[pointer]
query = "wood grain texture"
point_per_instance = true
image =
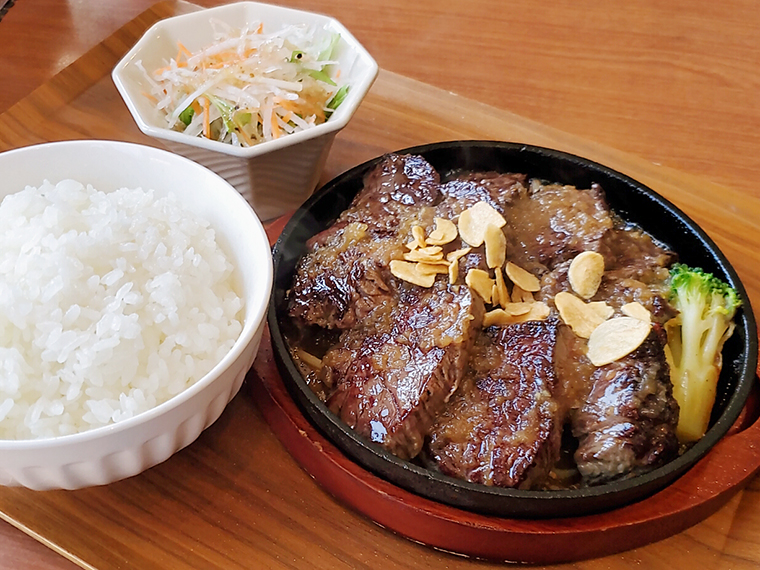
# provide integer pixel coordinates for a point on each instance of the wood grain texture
(235, 498)
(672, 82)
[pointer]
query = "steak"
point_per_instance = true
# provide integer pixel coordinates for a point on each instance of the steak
(636, 270)
(495, 189)
(390, 379)
(504, 427)
(554, 223)
(344, 277)
(627, 425)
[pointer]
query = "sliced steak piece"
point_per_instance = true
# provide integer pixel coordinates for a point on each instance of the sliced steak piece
(627, 426)
(504, 426)
(553, 224)
(344, 277)
(496, 189)
(636, 269)
(406, 179)
(388, 381)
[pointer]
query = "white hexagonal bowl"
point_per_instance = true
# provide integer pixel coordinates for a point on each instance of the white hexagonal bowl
(275, 176)
(106, 454)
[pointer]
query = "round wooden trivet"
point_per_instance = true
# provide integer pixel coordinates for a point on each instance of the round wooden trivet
(699, 493)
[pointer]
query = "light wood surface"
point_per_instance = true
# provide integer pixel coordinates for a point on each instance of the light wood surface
(672, 87)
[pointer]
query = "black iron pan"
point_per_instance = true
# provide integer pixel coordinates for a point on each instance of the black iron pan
(632, 201)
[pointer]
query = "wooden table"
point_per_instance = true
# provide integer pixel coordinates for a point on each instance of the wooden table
(673, 84)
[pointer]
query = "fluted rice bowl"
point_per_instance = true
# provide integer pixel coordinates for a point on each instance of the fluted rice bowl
(134, 284)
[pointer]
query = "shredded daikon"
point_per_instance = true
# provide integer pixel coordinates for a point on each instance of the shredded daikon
(249, 86)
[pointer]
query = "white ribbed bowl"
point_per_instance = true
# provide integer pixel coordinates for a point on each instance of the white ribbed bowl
(113, 452)
(275, 176)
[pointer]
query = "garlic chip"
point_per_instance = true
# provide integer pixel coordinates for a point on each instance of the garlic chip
(496, 246)
(474, 221)
(538, 311)
(516, 313)
(408, 272)
(480, 282)
(637, 311)
(497, 317)
(458, 253)
(425, 254)
(418, 238)
(432, 268)
(453, 271)
(585, 273)
(445, 232)
(520, 295)
(495, 295)
(526, 281)
(582, 317)
(453, 259)
(616, 338)
(601, 308)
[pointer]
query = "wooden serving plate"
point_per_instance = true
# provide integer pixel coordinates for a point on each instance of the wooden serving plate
(236, 498)
(693, 497)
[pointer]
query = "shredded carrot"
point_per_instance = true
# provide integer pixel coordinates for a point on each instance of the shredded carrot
(337, 74)
(286, 104)
(149, 96)
(206, 118)
(248, 59)
(182, 49)
(217, 65)
(226, 56)
(224, 59)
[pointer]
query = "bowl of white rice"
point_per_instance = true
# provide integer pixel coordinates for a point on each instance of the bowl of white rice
(133, 289)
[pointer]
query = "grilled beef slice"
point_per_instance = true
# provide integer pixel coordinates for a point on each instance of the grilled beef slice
(504, 427)
(636, 270)
(554, 223)
(627, 425)
(344, 277)
(389, 380)
(496, 189)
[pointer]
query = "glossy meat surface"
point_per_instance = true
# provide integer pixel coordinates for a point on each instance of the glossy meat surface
(627, 425)
(554, 223)
(504, 426)
(497, 190)
(391, 379)
(344, 277)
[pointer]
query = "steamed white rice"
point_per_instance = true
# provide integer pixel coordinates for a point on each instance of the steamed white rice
(110, 304)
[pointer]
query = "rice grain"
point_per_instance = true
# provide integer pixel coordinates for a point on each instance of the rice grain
(110, 304)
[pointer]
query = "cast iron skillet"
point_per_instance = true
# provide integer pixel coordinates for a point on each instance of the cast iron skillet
(631, 200)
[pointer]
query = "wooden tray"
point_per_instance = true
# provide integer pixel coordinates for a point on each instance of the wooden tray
(236, 498)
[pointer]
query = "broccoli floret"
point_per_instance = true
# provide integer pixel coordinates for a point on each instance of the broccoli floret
(706, 307)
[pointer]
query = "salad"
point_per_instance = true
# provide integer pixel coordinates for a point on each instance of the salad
(249, 86)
